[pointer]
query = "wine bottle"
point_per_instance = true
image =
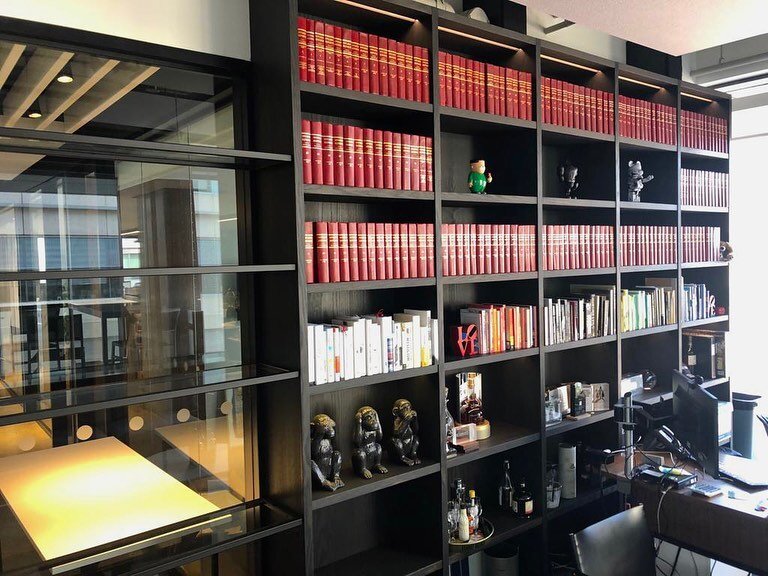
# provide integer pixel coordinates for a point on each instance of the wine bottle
(523, 501)
(506, 489)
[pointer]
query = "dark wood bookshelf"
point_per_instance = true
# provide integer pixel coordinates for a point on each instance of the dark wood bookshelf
(505, 526)
(648, 331)
(583, 498)
(706, 321)
(704, 264)
(705, 209)
(523, 156)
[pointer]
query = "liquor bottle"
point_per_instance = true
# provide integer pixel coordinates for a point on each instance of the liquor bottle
(506, 490)
(463, 524)
(690, 357)
(473, 511)
(523, 501)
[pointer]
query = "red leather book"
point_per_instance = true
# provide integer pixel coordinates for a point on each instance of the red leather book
(383, 52)
(328, 160)
(330, 55)
(359, 157)
(405, 257)
(442, 77)
(322, 262)
(349, 156)
(339, 169)
(309, 253)
(479, 248)
(507, 243)
(309, 26)
(396, 268)
(600, 113)
(423, 163)
(430, 177)
(488, 89)
(306, 150)
(529, 242)
(374, 73)
(527, 94)
(333, 252)
(354, 258)
(588, 111)
(547, 253)
(416, 163)
(458, 80)
(302, 33)
(412, 75)
(532, 248)
(510, 92)
(611, 246)
(320, 52)
(450, 233)
(430, 244)
(465, 86)
(338, 45)
(513, 264)
(389, 257)
(362, 251)
(360, 62)
(388, 159)
(481, 82)
(501, 81)
(546, 102)
(459, 249)
(373, 268)
(402, 89)
(610, 119)
(559, 106)
(317, 152)
(494, 234)
(473, 89)
(570, 105)
(406, 163)
(451, 88)
(425, 74)
(472, 249)
(421, 239)
(582, 100)
(413, 251)
(397, 161)
(444, 249)
(378, 159)
(467, 250)
(392, 67)
(485, 231)
(344, 251)
(568, 249)
(380, 251)
(368, 161)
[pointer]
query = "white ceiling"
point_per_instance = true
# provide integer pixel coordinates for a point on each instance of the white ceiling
(672, 26)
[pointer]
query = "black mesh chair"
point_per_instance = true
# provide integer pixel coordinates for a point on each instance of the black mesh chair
(621, 544)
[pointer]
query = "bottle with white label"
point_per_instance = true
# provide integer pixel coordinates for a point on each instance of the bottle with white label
(463, 524)
(523, 501)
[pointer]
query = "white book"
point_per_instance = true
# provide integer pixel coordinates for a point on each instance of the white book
(397, 331)
(330, 354)
(406, 344)
(320, 352)
(311, 353)
(347, 336)
(435, 340)
(373, 342)
(425, 326)
(387, 344)
(414, 322)
(358, 328)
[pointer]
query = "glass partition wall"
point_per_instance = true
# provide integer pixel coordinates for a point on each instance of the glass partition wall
(131, 374)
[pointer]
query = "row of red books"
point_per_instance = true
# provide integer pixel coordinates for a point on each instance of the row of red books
(701, 243)
(481, 87)
(469, 249)
(647, 120)
(345, 58)
(648, 245)
(704, 188)
(361, 251)
(572, 246)
(703, 132)
(566, 104)
(341, 155)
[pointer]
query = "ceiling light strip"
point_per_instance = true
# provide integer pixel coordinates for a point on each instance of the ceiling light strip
(689, 95)
(640, 82)
(377, 10)
(477, 38)
(567, 63)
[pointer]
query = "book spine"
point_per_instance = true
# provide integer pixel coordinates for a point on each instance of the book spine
(328, 160)
(309, 253)
(361, 71)
(320, 52)
(430, 246)
(349, 156)
(392, 67)
(339, 168)
(321, 252)
(425, 74)
(389, 259)
(378, 159)
(309, 28)
(383, 52)
(368, 158)
(373, 268)
(362, 251)
(404, 252)
(381, 251)
(344, 263)
(459, 249)
(373, 63)
(452, 250)
(412, 78)
(333, 252)
(302, 34)
(388, 160)
(406, 161)
(306, 151)
(413, 251)
(353, 246)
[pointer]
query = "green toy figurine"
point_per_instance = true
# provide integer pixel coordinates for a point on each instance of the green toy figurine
(478, 179)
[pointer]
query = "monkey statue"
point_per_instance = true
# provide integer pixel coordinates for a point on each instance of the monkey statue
(326, 460)
(366, 447)
(636, 180)
(567, 174)
(405, 442)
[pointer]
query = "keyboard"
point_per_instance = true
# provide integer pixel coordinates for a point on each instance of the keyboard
(743, 470)
(708, 490)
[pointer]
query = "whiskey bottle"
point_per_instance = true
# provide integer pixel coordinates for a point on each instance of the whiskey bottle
(523, 501)
(506, 490)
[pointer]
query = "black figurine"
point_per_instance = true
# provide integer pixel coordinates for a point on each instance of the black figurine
(405, 442)
(366, 438)
(326, 460)
(567, 174)
(636, 181)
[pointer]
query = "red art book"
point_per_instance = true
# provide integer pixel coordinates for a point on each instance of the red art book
(339, 169)
(360, 63)
(317, 152)
(306, 150)
(373, 63)
(459, 239)
(388, 160)
(383, 67)
(373, 268)
(368, 159)
(392, 67)
(338, 43)
(396, 268)
(452, 269)
(359, 157)
(330, 56)
(389, 262)
(344, 251)
(362, 251)
(425, 85)
(406, 161)
(333, 252)
(402, 90)
(320, 56)
(430, 244)
(328, 161)
(309, 253)
(397, 161)
(404, 252)
(411, 84)
(413, 251)
(349, 156)
(321, 252)
(302, 33)
(381, 251)
(430, 181)
(309, 26)
(421, 239)
(354, 259)
(378, 159)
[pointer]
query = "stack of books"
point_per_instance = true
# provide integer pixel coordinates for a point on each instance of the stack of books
(703, 132)
(481, 87)
(341, 155)
(571, 247)
(469, 249)
(654, 304)
(703, 188)
(363, 251)
(648, 245)
(698, 302)
(351, 347)
(573, 106)
(588, 313)
(647, 120)
(701, 243)
(502, 327)
(346, 58)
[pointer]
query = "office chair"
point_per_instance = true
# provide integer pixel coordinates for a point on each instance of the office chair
(764, 419)
(621, 544)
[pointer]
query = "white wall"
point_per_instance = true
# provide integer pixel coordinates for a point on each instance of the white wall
(213, 26)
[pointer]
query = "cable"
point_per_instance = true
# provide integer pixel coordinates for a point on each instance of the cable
(674, 570)
(658, 510)
(712, 571)
(695, 566)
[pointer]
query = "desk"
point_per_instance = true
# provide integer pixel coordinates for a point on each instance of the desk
(72, 498)
(721, 528)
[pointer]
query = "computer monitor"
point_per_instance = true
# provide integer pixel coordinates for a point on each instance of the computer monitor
(696, 421)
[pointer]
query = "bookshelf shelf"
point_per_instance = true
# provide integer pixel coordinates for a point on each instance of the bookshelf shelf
(569, 204)
(582, 499)
(705, 321)
(648, 331)
(568, 425)
(354, 486)
(705, 209)
(316, 389)
(383, 562)
(580, 343)
(504, 437)
(351, 194)
(469, 121)
(457, 365)
(468, 199)
(322, 99)
(482, 278)
(695, 153)
(505, 526)
(577, 272)
(370, 285)
(653, 206)
(635, 144)
(704, 264)
(654, 268)
(563, 135)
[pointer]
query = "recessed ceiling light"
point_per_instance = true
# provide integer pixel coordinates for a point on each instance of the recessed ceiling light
(65, 76)
(34, 111)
